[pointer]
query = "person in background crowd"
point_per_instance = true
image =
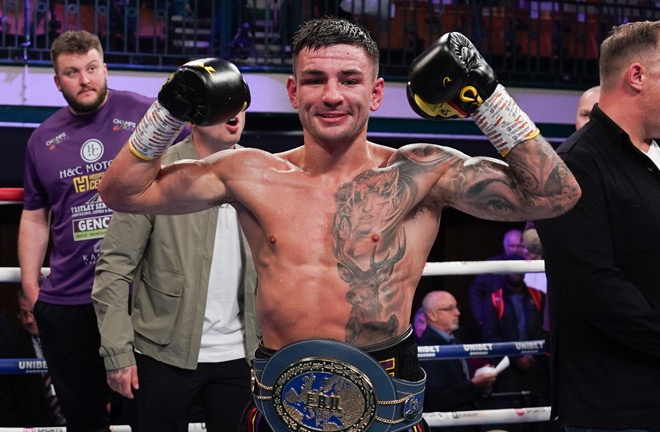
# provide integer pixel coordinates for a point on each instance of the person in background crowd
(532, 250)
(66, 157)
(478, 292)
(419, 323)
(601, 258)
(197, 271)
(29, 398)
(450, 385)
(585, 104)
(514, 312)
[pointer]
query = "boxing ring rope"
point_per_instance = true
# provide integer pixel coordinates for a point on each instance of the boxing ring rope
(450, 268)
(19, 366)
(11, 195)
(460, 268)
(426, 353)
(437, 419)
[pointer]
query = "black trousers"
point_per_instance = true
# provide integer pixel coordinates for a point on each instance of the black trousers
(70, 340)
(167, 394)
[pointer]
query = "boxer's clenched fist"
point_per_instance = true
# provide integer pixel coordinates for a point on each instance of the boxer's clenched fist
(205, 92)
(449, 79)
(202, 92)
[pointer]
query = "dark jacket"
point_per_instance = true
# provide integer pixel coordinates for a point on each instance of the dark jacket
(447, 386)
(500, 323)
(602, 260)
(480, 288)
(22, 397)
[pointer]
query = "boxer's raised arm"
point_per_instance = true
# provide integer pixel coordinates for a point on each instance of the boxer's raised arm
(202, 92)
(451, 79)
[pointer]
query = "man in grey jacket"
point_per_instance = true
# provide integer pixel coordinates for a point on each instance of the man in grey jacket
(192, 329)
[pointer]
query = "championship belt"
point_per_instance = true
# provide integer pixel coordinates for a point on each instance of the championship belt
(327, 385)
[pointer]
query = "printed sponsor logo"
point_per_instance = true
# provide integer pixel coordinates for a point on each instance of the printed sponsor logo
(45, 429)
(466, 414)
(92, 259)
(91, 150)
(32, 364)
(531, 347)
(478, 349)
(119, 124)
(90, 228)
(94, 167)
(87, 182)
(51, 143)
(427, 351)
(88, 209)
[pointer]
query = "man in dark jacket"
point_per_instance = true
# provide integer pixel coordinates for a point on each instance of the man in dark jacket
(448, 383)
(514, 312)
(601, 258)
(23, 398)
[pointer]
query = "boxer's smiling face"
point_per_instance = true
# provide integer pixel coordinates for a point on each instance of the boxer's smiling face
(82, 79)
(334, 89)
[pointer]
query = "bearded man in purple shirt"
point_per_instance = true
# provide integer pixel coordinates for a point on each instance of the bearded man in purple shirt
(66, 157)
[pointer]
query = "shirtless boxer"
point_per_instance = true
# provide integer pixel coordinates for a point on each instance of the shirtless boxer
(341, 227)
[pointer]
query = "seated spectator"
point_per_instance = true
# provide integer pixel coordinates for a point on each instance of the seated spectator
(25, 399)
(448, 383)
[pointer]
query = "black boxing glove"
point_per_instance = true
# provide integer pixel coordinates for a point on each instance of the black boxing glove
(205, 92)
(449, 79)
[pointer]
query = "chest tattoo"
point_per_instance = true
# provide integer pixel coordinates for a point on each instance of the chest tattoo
(369, 242)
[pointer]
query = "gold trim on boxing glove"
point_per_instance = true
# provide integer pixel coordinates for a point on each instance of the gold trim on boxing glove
(443, 109)
(202, 64)
(469, 94)
(137, 153)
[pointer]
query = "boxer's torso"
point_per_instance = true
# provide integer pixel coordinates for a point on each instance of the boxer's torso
(338, 256)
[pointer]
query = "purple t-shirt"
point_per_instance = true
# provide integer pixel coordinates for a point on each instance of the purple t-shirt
(66, 158)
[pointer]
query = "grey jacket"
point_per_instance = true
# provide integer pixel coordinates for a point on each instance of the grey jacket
(168, 260)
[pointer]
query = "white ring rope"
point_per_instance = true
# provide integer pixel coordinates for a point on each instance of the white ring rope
(192, 427)
(506, 415)
(436, 419)
(458, 268)
(450, 268)
(13, 274)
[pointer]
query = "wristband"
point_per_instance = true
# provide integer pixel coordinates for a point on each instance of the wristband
(155, 133)
(503, 122)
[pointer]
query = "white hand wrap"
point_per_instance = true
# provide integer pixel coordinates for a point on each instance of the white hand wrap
(155, 133)
(503, 122)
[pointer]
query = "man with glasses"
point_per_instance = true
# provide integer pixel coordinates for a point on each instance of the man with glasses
(448, 383)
